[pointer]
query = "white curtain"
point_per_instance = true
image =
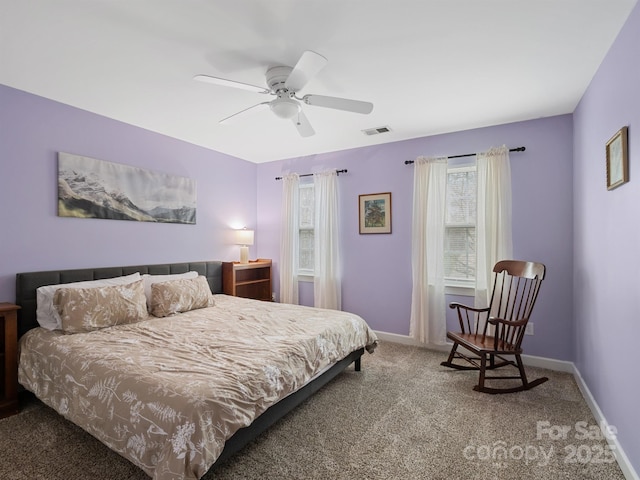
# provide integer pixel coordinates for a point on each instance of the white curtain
(493, 221)
(428, 323)
(327, 282)
(289, 240)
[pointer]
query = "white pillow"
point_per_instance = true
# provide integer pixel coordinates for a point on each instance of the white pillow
(46, 313)
(151, 279)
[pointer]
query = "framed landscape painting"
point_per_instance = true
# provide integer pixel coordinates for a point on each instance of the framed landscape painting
(375, 213)
(90, 188)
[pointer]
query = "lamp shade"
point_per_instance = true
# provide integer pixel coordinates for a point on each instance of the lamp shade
(285, 107)
(244, 237)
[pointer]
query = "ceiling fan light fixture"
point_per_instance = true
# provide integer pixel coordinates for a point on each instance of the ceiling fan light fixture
(285, 108)
(285, 82)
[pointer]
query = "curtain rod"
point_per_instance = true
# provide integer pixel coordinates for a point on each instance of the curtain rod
(519, 149)
(344, 170)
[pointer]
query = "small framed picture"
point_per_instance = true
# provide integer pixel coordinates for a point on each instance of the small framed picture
(375, 213)
(617, 161)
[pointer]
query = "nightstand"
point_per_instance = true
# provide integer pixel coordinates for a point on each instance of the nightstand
(8, 359)
(248, 280)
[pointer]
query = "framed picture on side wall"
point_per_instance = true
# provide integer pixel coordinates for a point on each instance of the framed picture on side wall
(375, 212)
(617, 160)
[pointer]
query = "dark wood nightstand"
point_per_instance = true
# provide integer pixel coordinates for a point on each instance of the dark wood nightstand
(248, 280)
(8, 359)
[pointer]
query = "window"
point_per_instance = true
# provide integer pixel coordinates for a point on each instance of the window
(460, 227)
(306, 211)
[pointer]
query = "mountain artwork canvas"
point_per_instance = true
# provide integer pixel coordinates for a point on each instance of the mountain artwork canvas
(90, 188)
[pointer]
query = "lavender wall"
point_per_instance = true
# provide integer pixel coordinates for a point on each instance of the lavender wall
(377, 268)
(607, 235)
(34, 129)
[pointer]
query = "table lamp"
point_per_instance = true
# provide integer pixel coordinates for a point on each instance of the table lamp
(244, 238)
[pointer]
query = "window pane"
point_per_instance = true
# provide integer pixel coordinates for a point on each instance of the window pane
(460, 220)
(460, 253)
(306, 210)
(306, 260)
(305, 247)
(461, 196)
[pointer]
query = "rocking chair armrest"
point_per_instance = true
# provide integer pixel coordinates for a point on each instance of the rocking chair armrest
(512, 323)
(454, 305)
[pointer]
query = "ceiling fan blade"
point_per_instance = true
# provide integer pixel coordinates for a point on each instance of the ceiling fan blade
(309, 64)
(355, 106)
(302, 124)
(253, 109)
(230, 83)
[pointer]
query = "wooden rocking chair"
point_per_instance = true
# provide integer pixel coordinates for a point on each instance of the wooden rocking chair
(498, 331)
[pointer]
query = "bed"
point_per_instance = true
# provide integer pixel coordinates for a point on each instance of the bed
(179, 393)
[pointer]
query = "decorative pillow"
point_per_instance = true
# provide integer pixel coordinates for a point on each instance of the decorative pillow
(87, 309)
(46, 313)
(151, 279)
(169, 298)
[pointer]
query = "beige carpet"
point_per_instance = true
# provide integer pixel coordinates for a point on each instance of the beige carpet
(402, 417)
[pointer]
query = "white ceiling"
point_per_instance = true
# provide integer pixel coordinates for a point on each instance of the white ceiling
(429, 66)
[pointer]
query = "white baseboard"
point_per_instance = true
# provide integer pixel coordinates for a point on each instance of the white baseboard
(550, 364)
(530, 360)
(406, 340)
(625, 465)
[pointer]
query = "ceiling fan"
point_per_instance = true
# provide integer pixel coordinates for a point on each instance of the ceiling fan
(284, 83)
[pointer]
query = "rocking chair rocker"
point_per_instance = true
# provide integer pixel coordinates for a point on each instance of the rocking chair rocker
(497, 331)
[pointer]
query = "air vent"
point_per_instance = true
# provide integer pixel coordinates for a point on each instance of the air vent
(376, 131)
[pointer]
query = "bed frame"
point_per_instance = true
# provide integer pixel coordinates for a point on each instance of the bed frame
(28, 283)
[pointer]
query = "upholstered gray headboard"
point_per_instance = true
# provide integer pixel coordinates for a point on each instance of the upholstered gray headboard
(28, 283)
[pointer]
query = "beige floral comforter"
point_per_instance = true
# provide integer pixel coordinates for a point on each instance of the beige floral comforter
(166, 393)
